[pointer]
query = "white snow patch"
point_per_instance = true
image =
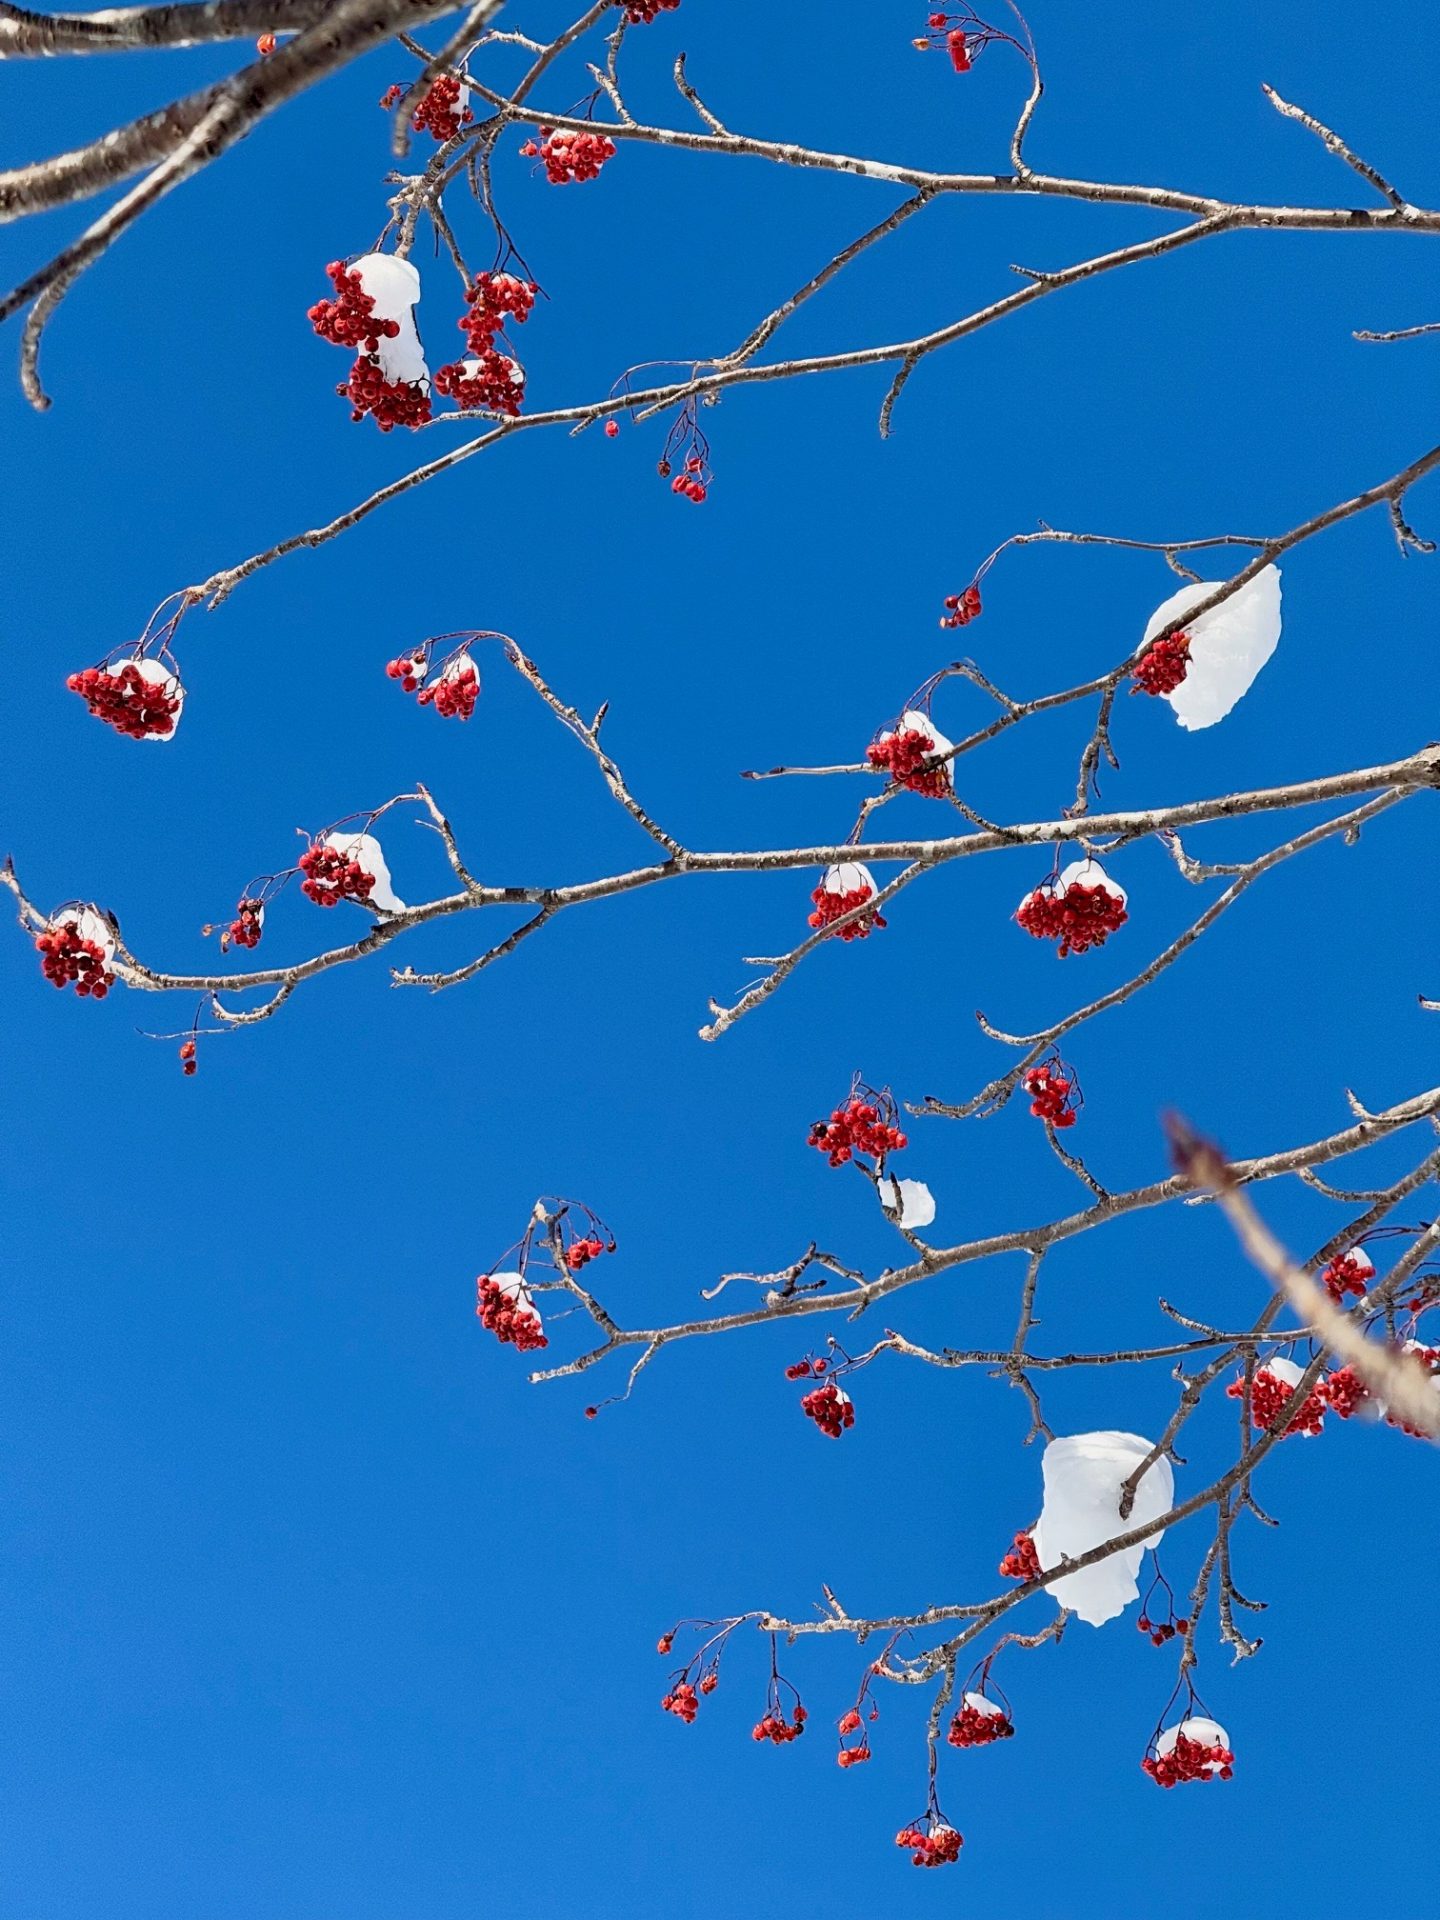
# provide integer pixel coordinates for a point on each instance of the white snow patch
(912, 1200)
(1090, 873)
(1228, 646)
(1203, 1732)
(157, 674)
(394, 287)
(849, 877)
(1283, 1370)
(983, 1705)
(1083, 1475)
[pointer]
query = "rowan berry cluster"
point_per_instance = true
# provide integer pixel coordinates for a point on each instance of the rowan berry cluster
(830, 1407)
(1162, 1631)
(1345, 1392)
(1349, 1272)
(1053, 1092)
(506, 1310)
(932, 1843)
(848, 1725)
(494, 298)
(682, 1702)
(1189, 1760)
(390, 403)
(245, 929)
(349, 319)
(1080, 915)
(641, 12)
(569, 155)
(408, 669)
(864, 1126)
(903, 755)
(454, 691)
(840, 892)
(963, 35)
(775, 1728)
(1021, 1562)
(68, 958)
(188, 1063)
(1163, 665)
(331, 876)
(581, 1252)
(961, 608)
(140, 698)
(978, 1725)
(810, 1368)
(490, 381)
(442, 111)
(1270, 1388)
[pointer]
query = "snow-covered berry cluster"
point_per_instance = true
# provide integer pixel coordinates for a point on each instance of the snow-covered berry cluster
(443, 110)
(865, 1124)
(1080, 908)
(491, 382)
(1196, 1749)
(1163, 665)
(505, 1307)
(76, 947)
(961, 608)
(932, 1842)
(452, 689)
(568, 154)
(830, 1407)
(1271, 1386)
(331, 876)
(1349, 1272)
(1021, 1562)
(140, 698)
(979, 1721)
(843, 889)
(1054, 1093)
(905, 750)
(373, 309)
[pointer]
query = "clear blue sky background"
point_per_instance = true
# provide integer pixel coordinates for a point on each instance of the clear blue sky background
(311, 1606)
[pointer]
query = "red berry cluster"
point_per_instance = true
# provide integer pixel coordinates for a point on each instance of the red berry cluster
(641, 12)
(331, 877)
(682, 1702)
(1052, 1093)
(67, 959)
(1162, 667)
(1349, 1272)
(347, 320)
(126, 700)
(808, 1368)
(830, 1407)
(903, 756)
(777, 1729)
(581, 1252)
(1162, 1631)
(509, 1316)
(961, 608)
(245, 929)
(1268, 1394)
(1079, 918)
(441, 113)
(409, 670)
(973, 1727)
(493, 299)
(1189, 1760)
(454, 693)
(1345, 1392)
(690, 481)
(830, 907)
(569, 155)
(857, 1755)
(938, 1847)
(860, 1126)
(488, 381)
(1021, 1562)
(189, 1064)
(390, 403)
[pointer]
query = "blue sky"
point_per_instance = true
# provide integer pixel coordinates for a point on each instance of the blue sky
(311, 1606)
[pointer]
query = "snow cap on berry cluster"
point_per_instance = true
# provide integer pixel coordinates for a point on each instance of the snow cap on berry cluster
(849, 877)
(911, 1200)
(364, 850)
(394, 288)
(1090, 873)
(90, 924)
(913, 721)
(1228, 646)
(1083, 1476)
